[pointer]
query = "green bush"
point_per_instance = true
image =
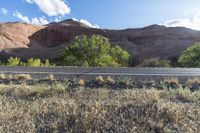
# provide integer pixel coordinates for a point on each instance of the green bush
(93, 51)
(190, 57)
(13, 61)
(121, 56)
(33, 62)
(46, 63)
(30, 62)
(155, 62)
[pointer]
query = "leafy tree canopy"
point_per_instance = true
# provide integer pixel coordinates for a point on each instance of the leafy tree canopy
(191, 56)
(93, 51)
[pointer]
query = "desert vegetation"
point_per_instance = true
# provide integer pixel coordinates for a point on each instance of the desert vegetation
(93, 51)
(96, 51)
(155, 62)
(191, 56)
(59, 107)
(33, 62)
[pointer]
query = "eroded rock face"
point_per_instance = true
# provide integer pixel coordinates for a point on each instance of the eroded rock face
(63, 32)
(15, 35)
(25, 40)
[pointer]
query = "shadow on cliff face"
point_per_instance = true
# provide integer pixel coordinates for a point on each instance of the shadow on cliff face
(36, 52)
(60, 33)
(48, 42)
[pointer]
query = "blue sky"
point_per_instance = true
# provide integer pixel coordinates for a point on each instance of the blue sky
(117, 14)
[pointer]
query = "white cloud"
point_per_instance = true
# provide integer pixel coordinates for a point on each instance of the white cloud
(21, 17)
(29, 1)
(36, 21)
(193, 23)
(39, 21)
(57, 20)
(186, 13)
(4, 11)
(87, 23)
(52, 7)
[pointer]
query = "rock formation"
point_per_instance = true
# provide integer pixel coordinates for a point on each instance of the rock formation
(25, 40)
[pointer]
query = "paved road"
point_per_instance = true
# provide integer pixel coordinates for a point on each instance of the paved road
(65, 72)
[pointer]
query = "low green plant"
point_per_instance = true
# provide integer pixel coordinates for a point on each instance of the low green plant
(13, 61)
(185, 95)
(59, 87)
(155, 62)
(38, 89)
(32, 62)
(125, 80)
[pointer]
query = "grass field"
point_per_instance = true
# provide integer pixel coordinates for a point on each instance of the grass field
(56, 108)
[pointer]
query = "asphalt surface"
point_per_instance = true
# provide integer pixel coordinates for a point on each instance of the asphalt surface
(70, 72)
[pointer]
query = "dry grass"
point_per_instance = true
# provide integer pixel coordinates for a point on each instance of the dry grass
(100, 79)
(109, 79)
(50, 77)
(23, 77)
(56, 108)
(193, 81)
(81, 82)
(172, 80)
(2, 76)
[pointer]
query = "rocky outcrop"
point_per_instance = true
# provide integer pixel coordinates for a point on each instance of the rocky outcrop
(25, 41)
(15, 35)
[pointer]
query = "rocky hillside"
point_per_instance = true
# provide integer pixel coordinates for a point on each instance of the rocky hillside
(24, 40)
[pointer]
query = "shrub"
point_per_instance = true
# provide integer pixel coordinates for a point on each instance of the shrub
(59, 87)
(191, 56)
(121, 56)
(33, 62)
(155, 62)
(30, 62)
(46, 63)
(93, 51)
(14, 61)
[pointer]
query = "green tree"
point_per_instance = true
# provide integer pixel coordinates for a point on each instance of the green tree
(190, 57)
(121, 56)
(93, 51)
(13, 61)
